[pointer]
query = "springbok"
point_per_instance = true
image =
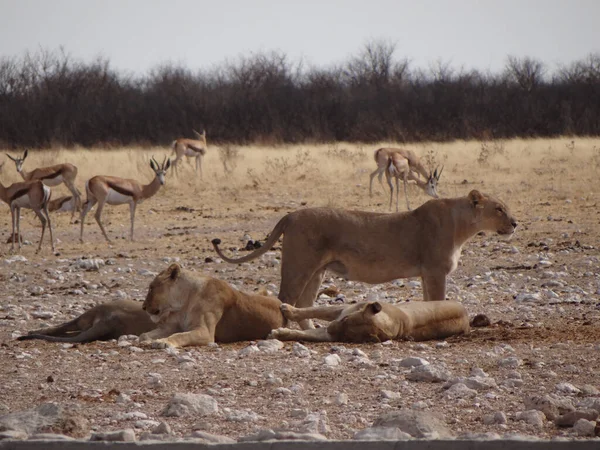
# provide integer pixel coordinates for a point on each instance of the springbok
(382, 157)
(52, 176)
(192, 148)
(118, 191)
(399, 167)
(27, 194)
(63, 204)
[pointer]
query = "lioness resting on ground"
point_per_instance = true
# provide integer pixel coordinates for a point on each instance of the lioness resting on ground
(192, 309)
(100, 323)
(377, 322)
(375, 247)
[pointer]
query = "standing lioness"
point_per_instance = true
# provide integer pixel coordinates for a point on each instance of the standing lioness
(375, 247)
(192, 309)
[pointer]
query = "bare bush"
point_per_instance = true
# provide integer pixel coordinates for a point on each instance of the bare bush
(229, 157)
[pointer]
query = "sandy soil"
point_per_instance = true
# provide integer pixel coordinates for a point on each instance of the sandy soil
(550, 185)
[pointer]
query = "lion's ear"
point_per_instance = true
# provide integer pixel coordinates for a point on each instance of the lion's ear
(476, 198)
(174, 271)
(374, 307)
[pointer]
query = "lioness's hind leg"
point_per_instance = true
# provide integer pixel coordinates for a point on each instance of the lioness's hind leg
(312, 335)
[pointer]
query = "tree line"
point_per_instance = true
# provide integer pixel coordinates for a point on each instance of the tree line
(48, 98)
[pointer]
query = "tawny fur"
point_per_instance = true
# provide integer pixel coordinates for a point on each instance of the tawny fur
(100, 323)
(382, 156)
(377, 248)
(399, 168)
(377, 322)
(192, 309)
(32, 195)
(52, 176)
(191, 148)
(118, 191)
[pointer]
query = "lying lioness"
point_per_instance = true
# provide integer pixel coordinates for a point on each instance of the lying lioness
(100, 323)
(376, 247)
(193, 309)
(377, 322)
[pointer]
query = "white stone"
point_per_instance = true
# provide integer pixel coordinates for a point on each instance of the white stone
(269, 345)
(584, 427)
(332, 360)
(532, 417)
(182, 404)
(301, 351)
(413, 361)
(430, 373)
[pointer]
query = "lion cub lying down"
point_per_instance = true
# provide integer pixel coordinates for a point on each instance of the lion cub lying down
(100, 323)
(193, 309)
(376, 322)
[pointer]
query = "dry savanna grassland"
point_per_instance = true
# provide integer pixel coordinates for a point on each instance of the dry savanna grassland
(541, 291)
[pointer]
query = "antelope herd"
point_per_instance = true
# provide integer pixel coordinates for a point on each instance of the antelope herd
(34, 192)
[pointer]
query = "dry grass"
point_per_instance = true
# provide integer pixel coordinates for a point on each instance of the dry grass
(496, 163)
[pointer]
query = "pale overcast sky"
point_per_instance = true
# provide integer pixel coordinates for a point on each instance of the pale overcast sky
(136, 35)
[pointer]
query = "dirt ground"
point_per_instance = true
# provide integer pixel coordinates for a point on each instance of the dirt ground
(554, 333)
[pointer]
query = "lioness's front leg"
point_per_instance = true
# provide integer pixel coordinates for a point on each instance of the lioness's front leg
(311, 335)
(199, 336)
(157, 333)
(328, 313)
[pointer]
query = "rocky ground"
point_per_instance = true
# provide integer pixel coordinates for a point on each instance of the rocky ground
(533, 372)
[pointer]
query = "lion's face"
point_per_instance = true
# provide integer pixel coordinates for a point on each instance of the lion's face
(360, 324)
(160, 300)
(494, 214)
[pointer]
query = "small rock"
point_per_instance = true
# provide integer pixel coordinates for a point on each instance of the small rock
(381, 434)
(127, 435)
(569, 419)
(249, 350)
(552, 406)
(498, 417)
(460, 390)
(341, 399)
(584, 427)
(391, 395)
(191, 404)
(532, 417)
(270, 435)
(299, 350)
(418, 424)
(413, 361)
(213, 438)
(162, 428)
(567, 388)
(429, 373)
(332, 360)
(269, 345)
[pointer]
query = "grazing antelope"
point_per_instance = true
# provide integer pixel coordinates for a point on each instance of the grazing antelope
(192, 148)
(382, 157)
(27, 194)
(399, 167)
(63, 204)
(52, 176)
(118, 191)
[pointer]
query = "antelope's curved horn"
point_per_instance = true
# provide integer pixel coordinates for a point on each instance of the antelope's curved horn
(440, 174)
(11, 157)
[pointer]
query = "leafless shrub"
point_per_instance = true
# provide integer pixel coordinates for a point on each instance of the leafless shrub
(353, 157)
(488, 150)
(229, 157)
(283, 165)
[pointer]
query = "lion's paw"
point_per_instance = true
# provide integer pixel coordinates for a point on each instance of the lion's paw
(160, 343)
(277, 333)
(288, 311)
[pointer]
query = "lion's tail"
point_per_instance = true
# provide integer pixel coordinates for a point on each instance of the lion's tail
(273, 237)
(98, 332)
